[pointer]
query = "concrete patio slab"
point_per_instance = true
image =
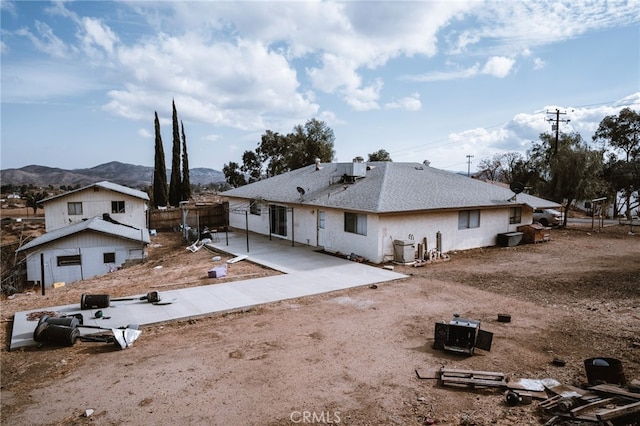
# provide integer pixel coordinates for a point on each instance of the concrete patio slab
(306, 272)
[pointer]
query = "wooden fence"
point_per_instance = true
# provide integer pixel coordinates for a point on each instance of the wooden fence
(213, 216)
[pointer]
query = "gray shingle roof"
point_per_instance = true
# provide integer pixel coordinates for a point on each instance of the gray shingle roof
(106, 185)
(96, 224)
(387, 187)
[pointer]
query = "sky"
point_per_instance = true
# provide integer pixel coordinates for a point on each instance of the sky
(449, 82)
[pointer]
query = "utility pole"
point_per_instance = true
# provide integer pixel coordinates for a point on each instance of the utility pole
(469, 157)
(557, 125)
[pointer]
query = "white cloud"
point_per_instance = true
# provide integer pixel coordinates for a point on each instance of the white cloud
(456, 74)
(46, 41)
(538, 63)
(409, 103)
(97, 34)
(145, 133)
(498, 66)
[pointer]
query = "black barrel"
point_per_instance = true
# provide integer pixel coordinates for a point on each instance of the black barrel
(94, 301)
(67, 321)
(56, 334)
(607, 370)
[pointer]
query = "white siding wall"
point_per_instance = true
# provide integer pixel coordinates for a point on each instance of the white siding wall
(377, 245)
(93, 248)
(95, 203)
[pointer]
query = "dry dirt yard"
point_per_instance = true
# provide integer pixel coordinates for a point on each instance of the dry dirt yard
(347, 357)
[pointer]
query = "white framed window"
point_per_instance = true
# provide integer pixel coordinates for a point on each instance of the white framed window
(468, 219)
(515, 215)
(254, 207)
(355, 223)
(74, 208)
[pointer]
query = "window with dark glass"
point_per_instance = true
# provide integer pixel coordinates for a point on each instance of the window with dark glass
(117, 207)
(69, 260)
(355, 223)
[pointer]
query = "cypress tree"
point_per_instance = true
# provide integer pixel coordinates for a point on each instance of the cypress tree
(186, 183)
(159, 170)
(175, 185)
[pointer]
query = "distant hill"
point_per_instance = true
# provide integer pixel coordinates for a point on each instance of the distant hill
(124, 174)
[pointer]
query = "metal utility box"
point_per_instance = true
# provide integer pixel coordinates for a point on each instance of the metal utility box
(404, 251)
(461, 336)
(509, 239)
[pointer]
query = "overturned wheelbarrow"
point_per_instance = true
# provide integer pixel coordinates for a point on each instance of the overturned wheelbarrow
(97, 301)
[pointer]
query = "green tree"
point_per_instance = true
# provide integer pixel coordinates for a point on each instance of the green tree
(622, 133)
(159, 170)
(251, 165)
(186, 181)
(572, 173)
(500, 167)
(280, 154)
(314, 140)
(33, 200)
(380, 155)
(273, 151)
(175, 184)
(232, 174)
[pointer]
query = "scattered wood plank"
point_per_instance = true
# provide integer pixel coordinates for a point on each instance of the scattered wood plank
(615, 390)
(470, 378)
(423, 373)
(590, 406)
(237, 258)
(619, 412)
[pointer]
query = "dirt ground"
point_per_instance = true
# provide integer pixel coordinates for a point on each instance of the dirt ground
(348, 357)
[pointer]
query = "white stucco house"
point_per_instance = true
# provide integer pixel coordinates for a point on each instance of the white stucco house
(125, 205)
(367, 208)
(83, 250)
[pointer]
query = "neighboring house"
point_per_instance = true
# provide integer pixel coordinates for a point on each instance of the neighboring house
(83, 250)
(366, 208)
(125, 205)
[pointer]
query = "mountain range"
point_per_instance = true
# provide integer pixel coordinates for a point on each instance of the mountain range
(130, 175)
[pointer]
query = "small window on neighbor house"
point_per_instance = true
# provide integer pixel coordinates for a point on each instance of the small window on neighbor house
(254, 207)
(515, 215)
(117, 207)
(355, 223)
(69, 260)
(468, 219)
(109, 257)
(74, 208)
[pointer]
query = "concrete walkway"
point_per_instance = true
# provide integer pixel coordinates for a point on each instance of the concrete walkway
(306, 272)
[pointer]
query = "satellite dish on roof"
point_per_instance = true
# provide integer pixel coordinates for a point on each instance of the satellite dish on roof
(300, 191)
(516, 187)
